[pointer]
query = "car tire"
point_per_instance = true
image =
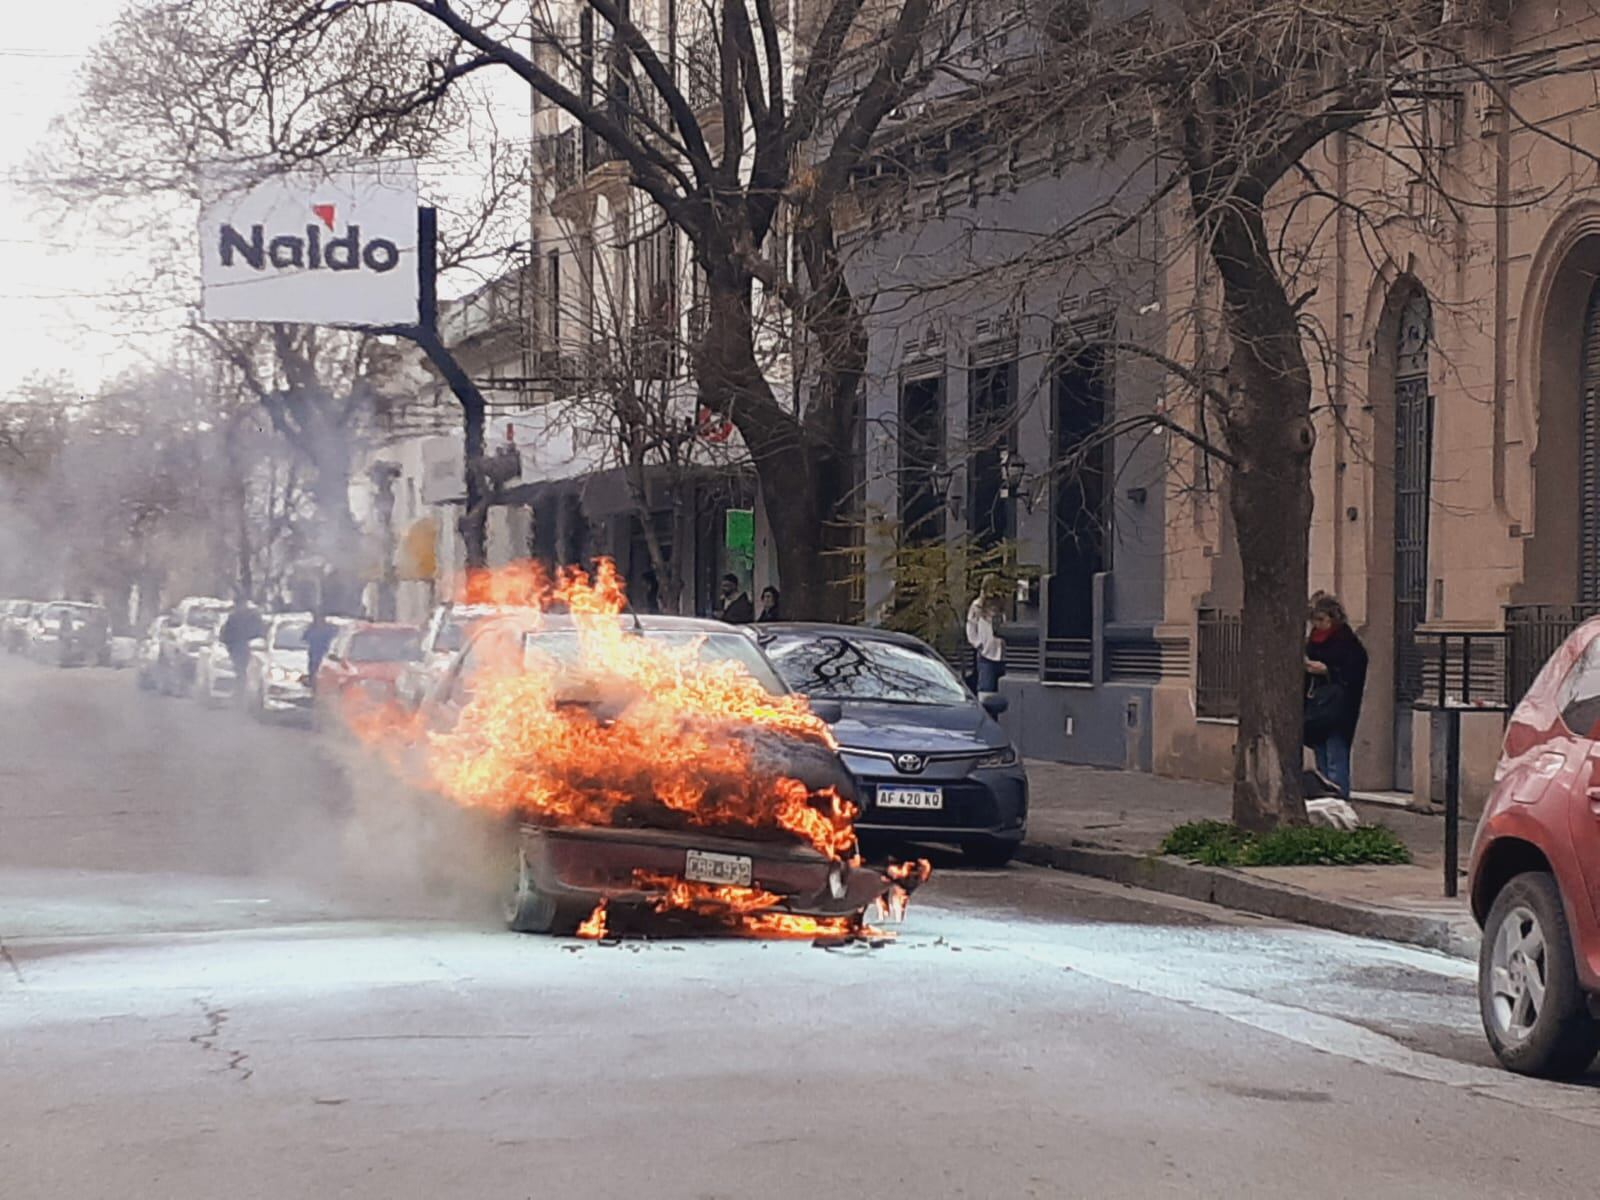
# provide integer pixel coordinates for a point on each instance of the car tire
(529, 909)
(992, 854)
(1527, 948)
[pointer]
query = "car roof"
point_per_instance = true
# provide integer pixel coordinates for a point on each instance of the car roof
(861, 633)
(652, 622)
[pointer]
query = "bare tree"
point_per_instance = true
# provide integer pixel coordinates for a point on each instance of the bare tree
(183, 89)
(746, 149)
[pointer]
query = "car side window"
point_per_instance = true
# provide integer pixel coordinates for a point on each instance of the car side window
(1580, 694)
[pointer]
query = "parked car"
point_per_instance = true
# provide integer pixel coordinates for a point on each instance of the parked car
(215, 682)
(442, 637)
(1534, 877)
(557, 875)
(277, 680)
(365, 658)
(195, 623)
(70, 634)
(14, 624)
(932, 761)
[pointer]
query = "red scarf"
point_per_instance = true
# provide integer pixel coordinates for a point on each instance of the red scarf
(1318, 636)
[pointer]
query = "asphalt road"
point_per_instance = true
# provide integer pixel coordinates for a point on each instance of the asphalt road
(237, 962)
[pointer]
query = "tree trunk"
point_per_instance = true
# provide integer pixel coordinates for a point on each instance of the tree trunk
(800, 473)
(1270, 434)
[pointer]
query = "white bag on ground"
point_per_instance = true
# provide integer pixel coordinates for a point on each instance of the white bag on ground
(1332, 812)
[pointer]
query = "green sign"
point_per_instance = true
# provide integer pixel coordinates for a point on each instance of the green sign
(739, 535)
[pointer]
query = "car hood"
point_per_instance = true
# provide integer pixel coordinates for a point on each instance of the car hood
(289, 660)
(924, 728)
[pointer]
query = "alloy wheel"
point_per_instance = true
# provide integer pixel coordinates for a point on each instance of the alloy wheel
(1517, 974)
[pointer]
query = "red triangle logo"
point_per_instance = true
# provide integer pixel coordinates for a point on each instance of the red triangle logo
(325, 213)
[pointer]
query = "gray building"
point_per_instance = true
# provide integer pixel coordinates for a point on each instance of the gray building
(1002, 419)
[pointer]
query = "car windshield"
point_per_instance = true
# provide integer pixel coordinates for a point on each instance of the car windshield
(831, 667)
(203, 618)
(385, 645)
(563, 646)
(449, 637)
(290, 635)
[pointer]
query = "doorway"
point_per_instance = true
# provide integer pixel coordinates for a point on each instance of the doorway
(1413, 493)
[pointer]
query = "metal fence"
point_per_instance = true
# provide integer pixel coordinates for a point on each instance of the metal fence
(1218, 646)
(1533, 631)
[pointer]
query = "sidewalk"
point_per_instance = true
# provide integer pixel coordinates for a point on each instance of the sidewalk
(1109, 823)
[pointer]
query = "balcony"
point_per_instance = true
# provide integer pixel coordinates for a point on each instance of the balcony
(557, 155)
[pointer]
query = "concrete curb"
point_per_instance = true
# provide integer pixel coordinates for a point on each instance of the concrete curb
(1245, 893)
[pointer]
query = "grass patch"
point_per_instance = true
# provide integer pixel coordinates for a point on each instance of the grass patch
(1219, 844)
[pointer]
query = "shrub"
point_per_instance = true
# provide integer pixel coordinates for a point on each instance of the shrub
(1219, 844)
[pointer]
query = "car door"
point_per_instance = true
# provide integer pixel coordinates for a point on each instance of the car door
(1577, 738)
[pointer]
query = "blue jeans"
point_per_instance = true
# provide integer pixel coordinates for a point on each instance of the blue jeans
(1333, 762)
(989, 672)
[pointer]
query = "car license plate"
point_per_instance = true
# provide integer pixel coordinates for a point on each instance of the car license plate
(911, 797)
(701, 866)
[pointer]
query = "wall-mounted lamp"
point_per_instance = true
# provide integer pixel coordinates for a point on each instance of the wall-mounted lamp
(1013, 477)
(1137, 495)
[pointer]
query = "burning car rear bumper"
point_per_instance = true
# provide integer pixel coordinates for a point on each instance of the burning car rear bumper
(592, 864)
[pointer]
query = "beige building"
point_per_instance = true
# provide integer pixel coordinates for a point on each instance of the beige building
(1457, 470)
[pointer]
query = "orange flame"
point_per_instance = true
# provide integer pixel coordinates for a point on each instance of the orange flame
(638, 731)
(594, 926)
(745, 910)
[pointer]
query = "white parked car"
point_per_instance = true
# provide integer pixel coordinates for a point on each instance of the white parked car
(215, 684)
(446, 633)
(194, 625)
(278, 680)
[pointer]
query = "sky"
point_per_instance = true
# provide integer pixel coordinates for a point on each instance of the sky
(51, 268)
(59, 275)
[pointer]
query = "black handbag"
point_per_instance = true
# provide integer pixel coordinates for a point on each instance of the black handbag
(1325, 703)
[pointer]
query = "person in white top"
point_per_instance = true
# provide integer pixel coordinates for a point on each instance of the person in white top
(985, 610)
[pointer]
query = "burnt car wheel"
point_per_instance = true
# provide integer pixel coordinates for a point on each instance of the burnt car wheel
(1534, 1011)
(993, 853)
(529, 909)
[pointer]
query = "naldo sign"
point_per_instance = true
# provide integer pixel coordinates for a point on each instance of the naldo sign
(319, 247)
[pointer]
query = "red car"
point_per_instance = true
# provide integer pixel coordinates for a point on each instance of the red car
(366, 657)
(1535, 873)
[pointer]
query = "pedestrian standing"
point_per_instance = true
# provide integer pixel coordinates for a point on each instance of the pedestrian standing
(769, 605)
(736, 607)
(319, 636)
(1336, 677)
(242, 627)
(983, 614)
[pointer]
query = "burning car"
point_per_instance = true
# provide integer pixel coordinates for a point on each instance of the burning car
(655, 763)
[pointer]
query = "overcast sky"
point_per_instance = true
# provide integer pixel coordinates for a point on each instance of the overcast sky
(51, 267)
(61, 279)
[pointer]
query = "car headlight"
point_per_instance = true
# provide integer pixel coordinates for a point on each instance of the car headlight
(998, 758)
(280, 674)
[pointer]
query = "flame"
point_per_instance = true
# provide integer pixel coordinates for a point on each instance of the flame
(640, 725)
(594, 926)
(745, 910)
(600, 727)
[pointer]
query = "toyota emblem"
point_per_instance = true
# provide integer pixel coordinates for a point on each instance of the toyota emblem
(910, 764)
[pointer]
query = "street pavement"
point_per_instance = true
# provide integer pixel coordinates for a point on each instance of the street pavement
(236, 961)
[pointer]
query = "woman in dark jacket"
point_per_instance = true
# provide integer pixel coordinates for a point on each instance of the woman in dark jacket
(1336, 664)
